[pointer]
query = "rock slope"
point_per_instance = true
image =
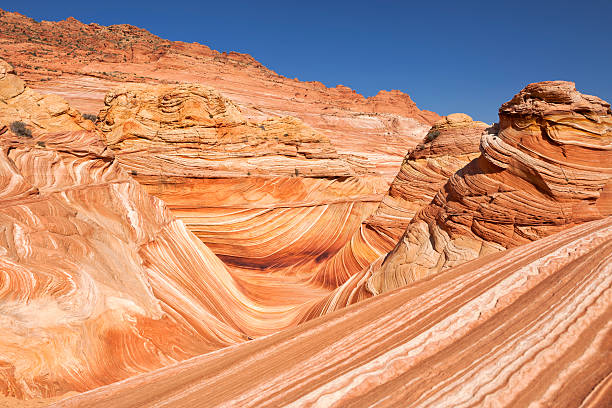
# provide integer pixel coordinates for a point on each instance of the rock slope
(527, 327)
(268, 195)
(546, 169)
(450, 144)
(379, 129)
(98, 281)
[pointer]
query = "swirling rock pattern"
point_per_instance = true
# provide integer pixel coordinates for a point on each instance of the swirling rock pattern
(450, 144)
(376, 131)
(98, 281)
(527, 327)
(546, 169)
(271, 195)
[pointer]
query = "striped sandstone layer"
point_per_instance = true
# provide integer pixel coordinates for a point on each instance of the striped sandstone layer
(531, 326)
(376, 130)
(548, 168)
(270, 195)
(98, 281)
(450, 144)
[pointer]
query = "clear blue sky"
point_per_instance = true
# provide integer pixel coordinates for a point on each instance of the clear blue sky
(450, 56)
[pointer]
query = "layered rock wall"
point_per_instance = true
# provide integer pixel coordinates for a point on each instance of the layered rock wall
(530, 326)
(546, 169)
(98, 281)
(450, 144)
(270, 195)
(377, 131)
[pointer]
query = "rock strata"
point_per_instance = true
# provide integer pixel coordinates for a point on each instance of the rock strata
(378, 129)
(98, 281)
(527, 327)
(545, 168)
(271, 195)
(193, 131)
(450, 144)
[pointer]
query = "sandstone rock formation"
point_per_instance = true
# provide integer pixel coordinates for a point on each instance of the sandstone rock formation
(547, 169)
(192, 131)
(270, 195)
(379, 129)
(450, 144)
(527, 327)
(98, 281)
(134, 251)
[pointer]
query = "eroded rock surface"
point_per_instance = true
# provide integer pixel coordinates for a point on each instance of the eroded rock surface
(378, 130)
(269, 195)
(101, 282)
(98, 281)
(193, 131)
(450, 144)
(530, 326)
(546, 169)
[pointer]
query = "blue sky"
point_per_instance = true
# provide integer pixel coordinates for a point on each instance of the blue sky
(450, 56)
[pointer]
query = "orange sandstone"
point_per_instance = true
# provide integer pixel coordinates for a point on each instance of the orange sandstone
(378, 129)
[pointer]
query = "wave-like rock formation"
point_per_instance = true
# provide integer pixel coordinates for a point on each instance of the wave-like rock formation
(498, 240)
(379, 129)
(546, 169)
(268, 195)
(98, 281)
(528, 327)
(450, 144)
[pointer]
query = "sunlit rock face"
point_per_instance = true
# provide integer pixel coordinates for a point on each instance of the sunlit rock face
(272, 195)
(546, 169)
(526, 327)
(449, 145)
(193, 131)
(377, 130)
(98, 281)
(270, 222)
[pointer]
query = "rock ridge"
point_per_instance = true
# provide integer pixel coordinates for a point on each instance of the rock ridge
(379, 130)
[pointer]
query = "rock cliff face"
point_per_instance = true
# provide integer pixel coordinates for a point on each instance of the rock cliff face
(378, 129)
(449, 145)
(98, 281)
(548, 168)
(527, 327)
(192, 131)
(267, 195)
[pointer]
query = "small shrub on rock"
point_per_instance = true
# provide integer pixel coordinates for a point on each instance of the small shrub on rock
(20, 129)
(431, 136)
(90, 116)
